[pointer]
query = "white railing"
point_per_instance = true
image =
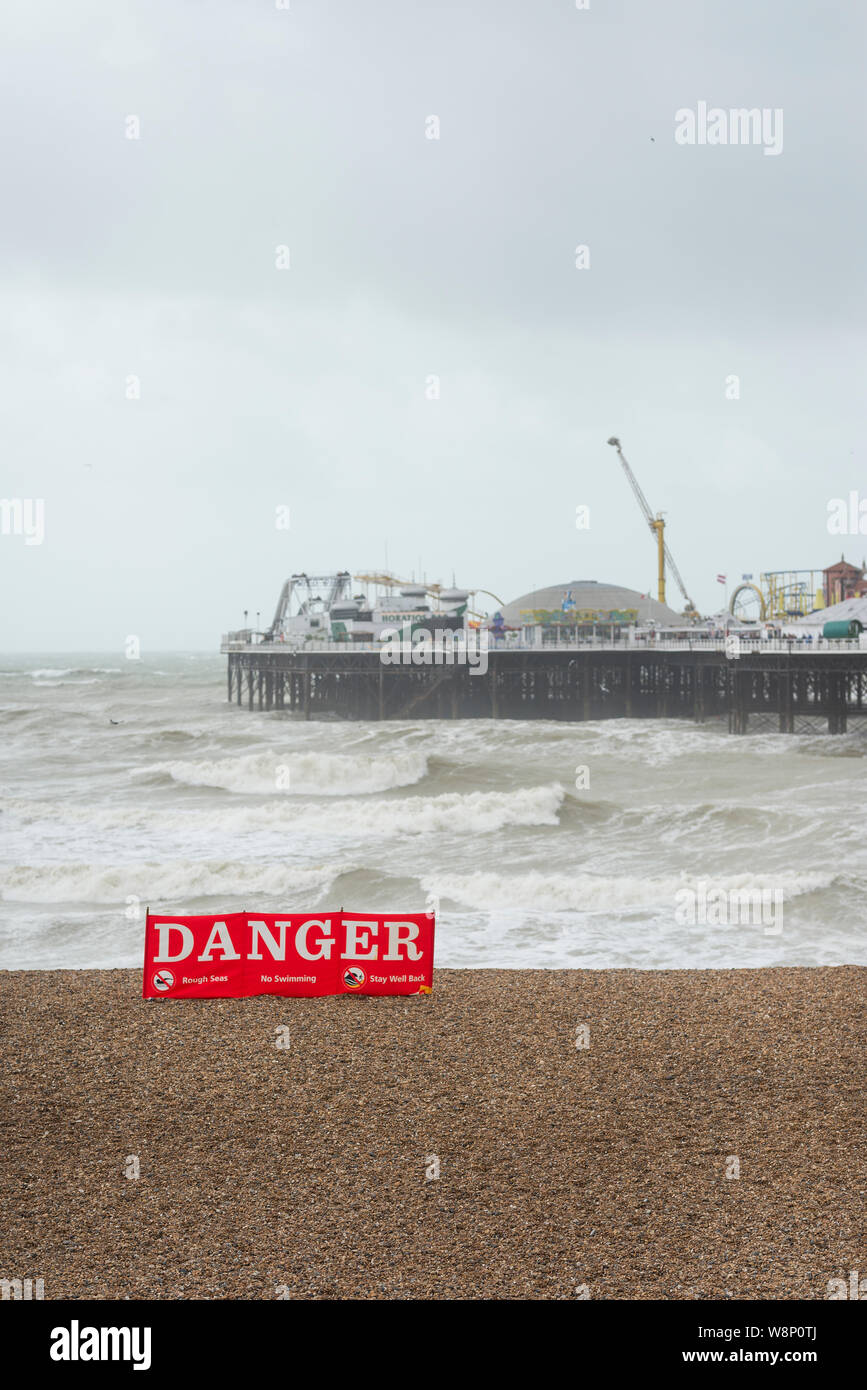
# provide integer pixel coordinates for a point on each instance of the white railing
(748, 646)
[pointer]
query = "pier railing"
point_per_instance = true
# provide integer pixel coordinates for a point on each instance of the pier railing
(747, 646)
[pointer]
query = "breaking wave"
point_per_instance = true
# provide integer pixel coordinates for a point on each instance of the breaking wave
(307, 774)
(458, 813)
(60, 673)
(598, 893)
(452, 812)
(181, 880)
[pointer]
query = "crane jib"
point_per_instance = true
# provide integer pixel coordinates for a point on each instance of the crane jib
(657, 526)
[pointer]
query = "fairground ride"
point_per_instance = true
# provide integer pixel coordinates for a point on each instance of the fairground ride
(780, 596)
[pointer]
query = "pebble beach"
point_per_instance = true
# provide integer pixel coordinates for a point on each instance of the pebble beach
(516, 1134)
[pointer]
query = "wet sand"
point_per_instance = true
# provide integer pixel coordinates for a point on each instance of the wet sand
(301, 1172)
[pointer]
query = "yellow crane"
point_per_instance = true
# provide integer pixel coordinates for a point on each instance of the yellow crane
(657, 526)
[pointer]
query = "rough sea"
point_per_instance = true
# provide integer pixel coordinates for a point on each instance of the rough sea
(134, 783)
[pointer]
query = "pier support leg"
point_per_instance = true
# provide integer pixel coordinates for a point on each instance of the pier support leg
(784, 697)
(661, 691)
(837, 696)
(738, 715)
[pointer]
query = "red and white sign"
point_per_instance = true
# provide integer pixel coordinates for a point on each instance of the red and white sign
(295, 953)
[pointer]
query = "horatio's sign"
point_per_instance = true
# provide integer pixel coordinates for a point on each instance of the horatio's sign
(238, 953)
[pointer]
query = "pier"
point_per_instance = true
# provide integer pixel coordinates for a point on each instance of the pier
(784, 686)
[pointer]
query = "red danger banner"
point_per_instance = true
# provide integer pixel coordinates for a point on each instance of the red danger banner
(238, 953)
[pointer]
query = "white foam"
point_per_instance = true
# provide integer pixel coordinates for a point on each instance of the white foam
(180, 880)
(458, 813)
(307, 774)
(452, 812)
(597, 892)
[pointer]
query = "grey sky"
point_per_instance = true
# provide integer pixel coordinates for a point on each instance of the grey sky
(410, 257)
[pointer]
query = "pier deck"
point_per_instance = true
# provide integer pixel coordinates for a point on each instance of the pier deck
(780, 686)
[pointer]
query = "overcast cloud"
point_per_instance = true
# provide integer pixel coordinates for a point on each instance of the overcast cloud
(413, 257)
